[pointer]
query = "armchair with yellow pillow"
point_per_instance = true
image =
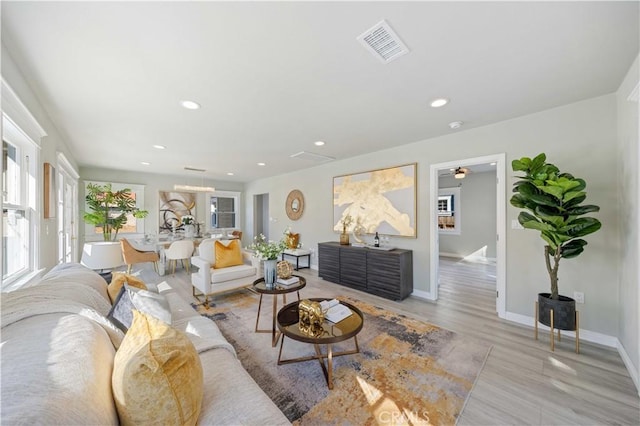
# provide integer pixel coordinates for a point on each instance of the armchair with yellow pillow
(223, 266)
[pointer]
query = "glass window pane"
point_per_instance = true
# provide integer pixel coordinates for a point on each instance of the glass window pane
(223, 214)
(15, 242)
(10, 173)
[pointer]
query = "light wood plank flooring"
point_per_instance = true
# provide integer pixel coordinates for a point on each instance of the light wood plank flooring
(522, 382)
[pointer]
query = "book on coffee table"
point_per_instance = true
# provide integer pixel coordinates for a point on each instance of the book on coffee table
(334, 311)
(288, 281)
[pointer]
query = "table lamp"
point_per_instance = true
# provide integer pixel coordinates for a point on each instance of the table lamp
(102, 255)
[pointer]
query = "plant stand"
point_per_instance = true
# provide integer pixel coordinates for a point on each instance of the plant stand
(551, 334)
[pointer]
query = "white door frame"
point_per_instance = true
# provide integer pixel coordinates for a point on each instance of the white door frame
(500, 160)
(68, 218)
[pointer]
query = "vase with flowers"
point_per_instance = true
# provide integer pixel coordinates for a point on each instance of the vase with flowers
(268, 252)
(291, 239)
(189, 225)
(346, 222)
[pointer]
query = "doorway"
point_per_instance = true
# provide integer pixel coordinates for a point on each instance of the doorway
(67, 211)
(261, 215)
(442, 218)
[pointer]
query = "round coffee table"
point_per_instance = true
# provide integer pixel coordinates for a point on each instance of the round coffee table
(331, 333)
(261, 287)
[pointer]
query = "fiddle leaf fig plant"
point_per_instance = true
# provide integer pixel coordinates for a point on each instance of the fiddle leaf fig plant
(552, 203)
(109, 209)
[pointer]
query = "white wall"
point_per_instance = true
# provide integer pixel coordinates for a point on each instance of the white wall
(577, 137)
(478, 216)
(628, 193)
(50, 146)
(153, 184)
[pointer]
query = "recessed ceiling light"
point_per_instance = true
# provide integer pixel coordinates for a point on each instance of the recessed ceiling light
(229, 174)
(159, 147)
(262, 164)
(145, 163)
(437, 103)
(318, 143)
(456, 124)
(493, 164)
(190, 104)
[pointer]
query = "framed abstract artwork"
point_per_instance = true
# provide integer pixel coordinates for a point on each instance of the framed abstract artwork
(382, 200)
(174, 205)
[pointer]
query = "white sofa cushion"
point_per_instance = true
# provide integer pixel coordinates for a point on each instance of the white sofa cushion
(56, 369)
(231, 273)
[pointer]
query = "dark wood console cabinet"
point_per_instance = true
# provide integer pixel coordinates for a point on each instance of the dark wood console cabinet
(384, 273)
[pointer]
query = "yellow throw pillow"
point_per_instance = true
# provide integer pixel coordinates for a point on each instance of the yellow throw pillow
(157, 375)
(118, 280)
(227, 255)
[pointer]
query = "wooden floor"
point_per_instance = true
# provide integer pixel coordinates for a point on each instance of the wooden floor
(522, 382)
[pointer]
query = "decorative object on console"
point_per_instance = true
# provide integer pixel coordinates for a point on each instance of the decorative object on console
(285, 269)
(553, 200)
(358, 232)
(111, 210)
(294, 205)
(364, 195)
(291, 239)
(346, 222)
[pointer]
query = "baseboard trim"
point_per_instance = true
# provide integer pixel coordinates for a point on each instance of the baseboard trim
(586, 335)
(633, 371)
(421, 294)
(469, 257)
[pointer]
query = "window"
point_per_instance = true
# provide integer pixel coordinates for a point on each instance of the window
(224, 209)
(449, 211)
(19, 215)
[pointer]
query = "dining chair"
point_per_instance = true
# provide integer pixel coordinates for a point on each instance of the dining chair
(132, 256)
(179, 250)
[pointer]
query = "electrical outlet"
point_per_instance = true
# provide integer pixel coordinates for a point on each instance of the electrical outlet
(578, 296)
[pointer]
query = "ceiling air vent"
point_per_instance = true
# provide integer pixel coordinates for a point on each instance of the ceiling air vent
(193, 169)
(316, 158)
(383, 42)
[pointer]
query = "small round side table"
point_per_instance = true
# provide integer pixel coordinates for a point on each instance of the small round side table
(260, 287)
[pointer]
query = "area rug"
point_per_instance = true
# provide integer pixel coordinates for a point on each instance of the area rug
(407, 371)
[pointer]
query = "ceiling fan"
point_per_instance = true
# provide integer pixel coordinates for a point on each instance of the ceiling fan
(458, 172)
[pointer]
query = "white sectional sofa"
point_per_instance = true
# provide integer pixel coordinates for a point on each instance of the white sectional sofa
(209, 280)
(58, 348)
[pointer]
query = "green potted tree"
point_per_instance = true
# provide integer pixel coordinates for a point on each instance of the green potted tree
(109, 209)
(553, 206)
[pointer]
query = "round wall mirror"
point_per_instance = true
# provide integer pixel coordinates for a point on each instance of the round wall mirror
(294, 205)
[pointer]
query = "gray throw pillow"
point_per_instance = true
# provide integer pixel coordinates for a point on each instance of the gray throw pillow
(130, 298)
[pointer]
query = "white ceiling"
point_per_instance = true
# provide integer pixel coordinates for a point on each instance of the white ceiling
(273, 77)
